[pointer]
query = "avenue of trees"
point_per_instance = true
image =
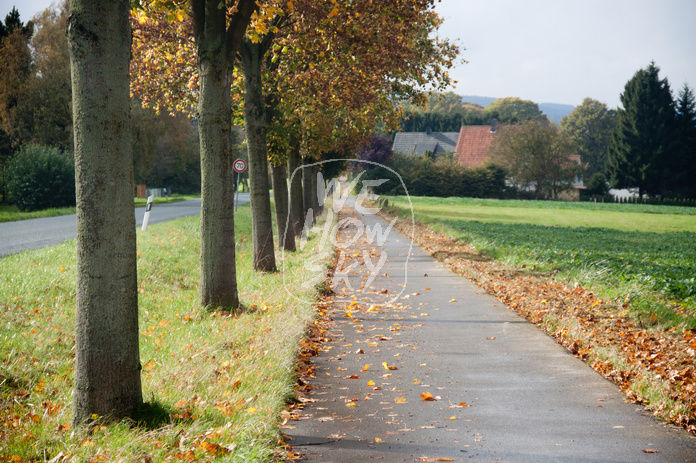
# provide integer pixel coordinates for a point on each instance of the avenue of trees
(309, 80)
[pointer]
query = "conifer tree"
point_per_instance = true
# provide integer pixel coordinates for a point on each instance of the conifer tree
(685, 159)
(642, 146)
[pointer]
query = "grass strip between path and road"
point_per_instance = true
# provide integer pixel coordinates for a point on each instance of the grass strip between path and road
(12, 213)
(215, 384)
(614, 286)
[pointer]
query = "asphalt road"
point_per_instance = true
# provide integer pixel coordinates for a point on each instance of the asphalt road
(23, 235)
(504, 391)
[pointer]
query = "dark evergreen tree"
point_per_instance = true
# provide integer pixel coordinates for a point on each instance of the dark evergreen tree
(642, 146)
(13, 22)
(685, 159)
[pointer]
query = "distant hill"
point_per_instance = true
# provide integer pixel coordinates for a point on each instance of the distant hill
(554, 111)
(479, 100)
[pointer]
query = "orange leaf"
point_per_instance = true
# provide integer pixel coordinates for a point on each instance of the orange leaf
(400, 400)
(427, 396)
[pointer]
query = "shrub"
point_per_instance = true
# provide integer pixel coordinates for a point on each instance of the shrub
(443, 177)
(40, 177)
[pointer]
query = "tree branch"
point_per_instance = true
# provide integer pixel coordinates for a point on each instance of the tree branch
(240, 21)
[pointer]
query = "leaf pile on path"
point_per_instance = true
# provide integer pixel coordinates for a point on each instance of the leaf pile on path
(653, 368)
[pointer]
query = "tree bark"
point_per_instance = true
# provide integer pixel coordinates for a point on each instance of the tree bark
(286, 234)
(296, 197)
(217, 45)
(107, 358)
(218, 273)
(255, 128)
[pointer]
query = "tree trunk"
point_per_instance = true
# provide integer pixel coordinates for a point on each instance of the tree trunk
(107, 358)
(286, 234)
(218, 274)
(255, 127)
(296, 197)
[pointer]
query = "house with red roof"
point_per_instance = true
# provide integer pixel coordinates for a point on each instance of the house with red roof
(473, 145)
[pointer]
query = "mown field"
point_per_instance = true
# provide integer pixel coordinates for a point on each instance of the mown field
(643, 252)
(215, 384)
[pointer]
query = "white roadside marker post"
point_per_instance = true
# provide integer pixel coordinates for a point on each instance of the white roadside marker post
(146, 219)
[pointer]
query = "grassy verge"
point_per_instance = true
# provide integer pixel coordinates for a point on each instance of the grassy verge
(12, 214)
(172, 199)
(215, 384)
(609, 296)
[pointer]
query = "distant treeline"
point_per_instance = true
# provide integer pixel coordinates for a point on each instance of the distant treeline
(438, 122)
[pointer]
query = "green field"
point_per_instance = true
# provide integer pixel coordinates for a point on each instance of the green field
(216, 385)
(644, 252)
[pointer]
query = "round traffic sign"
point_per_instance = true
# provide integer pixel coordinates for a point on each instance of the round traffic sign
(240, 165)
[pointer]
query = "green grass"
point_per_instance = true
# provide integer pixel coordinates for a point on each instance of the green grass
(623, 217)
(215, 384)
(12, 214)
(172, 199)
(646, 254)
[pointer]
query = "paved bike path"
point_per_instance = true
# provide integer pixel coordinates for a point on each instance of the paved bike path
(504, 390)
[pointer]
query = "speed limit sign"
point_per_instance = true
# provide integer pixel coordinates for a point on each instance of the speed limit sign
(240, 166)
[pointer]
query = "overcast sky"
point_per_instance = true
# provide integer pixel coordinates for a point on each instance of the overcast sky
(553, 51)
(562, 51)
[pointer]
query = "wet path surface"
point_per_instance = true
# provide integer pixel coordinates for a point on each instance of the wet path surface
(423, 366)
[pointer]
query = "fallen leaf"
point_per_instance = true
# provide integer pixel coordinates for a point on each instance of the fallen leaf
(366, 367)
(453, 300)
(492, 338)
(650, 451)
(427, 396)
(370, 383)
(400, 400)
(388, 367)
(378, 440)
(351, 404)
(451, 418)
(351, 377)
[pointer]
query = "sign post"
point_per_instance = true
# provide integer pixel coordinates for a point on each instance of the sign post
(240, 166)
(146, 219)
